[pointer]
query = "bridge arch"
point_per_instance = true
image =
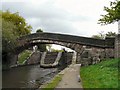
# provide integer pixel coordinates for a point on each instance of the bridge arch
(70, 41)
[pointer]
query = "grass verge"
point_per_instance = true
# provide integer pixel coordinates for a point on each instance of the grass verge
(51, 85)
(23, 56)
(101, 75)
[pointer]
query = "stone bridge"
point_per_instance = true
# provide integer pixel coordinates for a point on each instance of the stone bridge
(70, 41)
(74, 42)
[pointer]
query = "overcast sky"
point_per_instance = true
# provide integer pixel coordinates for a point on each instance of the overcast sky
(75, 17)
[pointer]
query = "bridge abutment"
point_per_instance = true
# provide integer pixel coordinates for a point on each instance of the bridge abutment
(9, 60)
(13, 59)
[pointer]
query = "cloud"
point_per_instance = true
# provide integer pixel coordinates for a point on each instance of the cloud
(77, 17)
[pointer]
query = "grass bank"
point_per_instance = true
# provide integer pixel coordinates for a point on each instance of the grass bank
(23, 56)
(101, 75)
(52, 84)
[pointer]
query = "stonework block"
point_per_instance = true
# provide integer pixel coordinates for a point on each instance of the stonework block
(109, 53)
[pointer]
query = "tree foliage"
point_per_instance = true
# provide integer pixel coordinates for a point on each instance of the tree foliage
(56, 50)
(13, 26)
(102, 35)
(97, 37)
(8, 36)
(113, 13)
(110, 34)
(39, 30)
(22, 27)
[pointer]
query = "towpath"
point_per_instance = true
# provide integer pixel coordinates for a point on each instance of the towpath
(70, 77)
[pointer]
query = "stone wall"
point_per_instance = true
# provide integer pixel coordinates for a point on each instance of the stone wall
(56, 59)
(95, 55)
(13, 59)
(65, 60)
(68, 56)
(117, 46)
(34, 58)
(109, 53)
(90, 56)
(50, 57)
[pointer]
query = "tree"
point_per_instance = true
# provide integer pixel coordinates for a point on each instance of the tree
(102, 35)
(113, 13)
(110, 34)
(8, 36)
(96, 36)
(39, 30)
(13, 26)
(22, 27)
(49, 47)
(8, 41)
(56, 50)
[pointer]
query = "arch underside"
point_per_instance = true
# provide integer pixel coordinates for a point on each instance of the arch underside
(72, 46)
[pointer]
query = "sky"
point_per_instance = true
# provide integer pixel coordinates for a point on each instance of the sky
(74, 17)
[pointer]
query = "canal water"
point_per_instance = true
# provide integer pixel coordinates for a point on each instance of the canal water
(31, 76)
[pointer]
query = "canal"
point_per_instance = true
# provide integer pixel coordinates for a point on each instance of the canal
(31, 76)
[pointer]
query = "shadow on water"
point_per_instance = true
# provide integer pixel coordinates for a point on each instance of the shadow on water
(27, 76)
